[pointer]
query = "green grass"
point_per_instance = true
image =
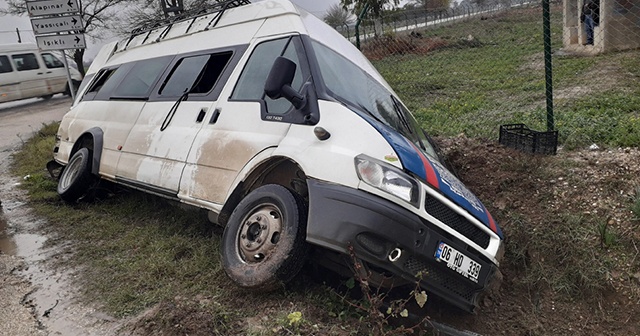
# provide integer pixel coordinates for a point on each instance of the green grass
(473, 88)
(609, 118)
(560, 254)
(30, 163)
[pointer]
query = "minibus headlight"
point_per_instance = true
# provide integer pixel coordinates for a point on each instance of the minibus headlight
(387, 178)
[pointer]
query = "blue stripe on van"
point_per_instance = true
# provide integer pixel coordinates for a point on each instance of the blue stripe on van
(423, 166)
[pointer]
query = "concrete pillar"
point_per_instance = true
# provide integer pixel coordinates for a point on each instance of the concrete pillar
(571, 22)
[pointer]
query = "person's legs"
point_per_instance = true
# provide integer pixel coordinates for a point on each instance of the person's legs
(588, 26)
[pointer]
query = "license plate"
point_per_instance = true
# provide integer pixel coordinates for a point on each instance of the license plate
(458, 262)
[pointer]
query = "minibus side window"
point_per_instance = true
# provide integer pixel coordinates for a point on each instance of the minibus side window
(199, 74)
(140, 79)
(112, 80)
(51, 61)
(251, 83)
(102, 78)
(5, 66)
(24, 62)
(104, 82)
(282, 105)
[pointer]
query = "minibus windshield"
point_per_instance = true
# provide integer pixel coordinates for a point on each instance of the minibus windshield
(352, 86)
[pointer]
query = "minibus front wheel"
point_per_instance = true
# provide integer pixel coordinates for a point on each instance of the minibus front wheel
(76, 178)
(263, 244)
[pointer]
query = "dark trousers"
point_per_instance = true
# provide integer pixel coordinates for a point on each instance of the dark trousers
(588, 27)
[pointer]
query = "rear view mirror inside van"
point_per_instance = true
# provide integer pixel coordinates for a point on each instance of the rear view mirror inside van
(278, 83)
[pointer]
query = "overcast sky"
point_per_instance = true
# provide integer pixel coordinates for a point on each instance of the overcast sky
(316, 7)
(8, 24)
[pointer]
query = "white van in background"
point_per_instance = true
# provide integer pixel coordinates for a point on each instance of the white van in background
(25, 72)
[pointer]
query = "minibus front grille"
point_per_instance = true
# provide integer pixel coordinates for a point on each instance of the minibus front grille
(455, 221)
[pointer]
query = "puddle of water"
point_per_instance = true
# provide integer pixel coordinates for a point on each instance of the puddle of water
(7, 245)
(24, 245)
(29, 246)
(12, 205)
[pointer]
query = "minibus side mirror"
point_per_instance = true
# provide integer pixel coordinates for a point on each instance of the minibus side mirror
(279, 83)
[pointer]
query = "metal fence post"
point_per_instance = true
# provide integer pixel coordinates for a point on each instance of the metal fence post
(362, 13)
(548, 73)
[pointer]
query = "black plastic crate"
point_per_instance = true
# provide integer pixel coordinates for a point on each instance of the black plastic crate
(520, 137)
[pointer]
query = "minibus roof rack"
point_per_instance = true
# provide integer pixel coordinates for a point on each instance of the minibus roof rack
(218, 9)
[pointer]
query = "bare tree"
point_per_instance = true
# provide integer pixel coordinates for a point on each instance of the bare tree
(337, 16)
(375, 6)
(98, 16)
(145, 12)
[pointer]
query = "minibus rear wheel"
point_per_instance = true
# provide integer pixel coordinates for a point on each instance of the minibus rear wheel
(76, 178)
(263, 244)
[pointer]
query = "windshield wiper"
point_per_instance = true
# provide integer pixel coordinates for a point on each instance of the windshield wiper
(403, 120)
(174, 108)
(401, 116)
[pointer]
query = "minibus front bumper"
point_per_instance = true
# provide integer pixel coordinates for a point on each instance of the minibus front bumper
(390, 237)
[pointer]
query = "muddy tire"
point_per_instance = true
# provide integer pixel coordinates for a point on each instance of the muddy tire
(47, 97)
(76, 178)
(263, 244)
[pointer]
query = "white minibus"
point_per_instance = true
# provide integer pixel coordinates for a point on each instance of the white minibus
(292, 141)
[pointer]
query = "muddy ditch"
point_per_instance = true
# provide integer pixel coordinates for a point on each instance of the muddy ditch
(35, 297)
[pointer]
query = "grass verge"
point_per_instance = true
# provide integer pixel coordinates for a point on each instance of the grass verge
(491, 71)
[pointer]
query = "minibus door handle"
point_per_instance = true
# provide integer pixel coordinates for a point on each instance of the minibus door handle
(214, 116)
(201, 115)
(40, 73)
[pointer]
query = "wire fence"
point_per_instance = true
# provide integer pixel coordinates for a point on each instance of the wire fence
(470, 69)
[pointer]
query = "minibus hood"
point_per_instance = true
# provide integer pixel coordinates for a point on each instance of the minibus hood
(436, 175)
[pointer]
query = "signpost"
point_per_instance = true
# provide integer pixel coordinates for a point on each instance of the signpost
(56, 24)
(61, 24)
(60, 42)
(51, 7)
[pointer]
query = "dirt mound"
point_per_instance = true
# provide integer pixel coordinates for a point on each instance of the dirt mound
(571, 263)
